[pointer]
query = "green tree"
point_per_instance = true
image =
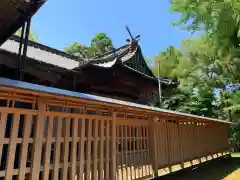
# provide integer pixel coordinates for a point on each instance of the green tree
(218, 67)
(100, 44)
(219, 20)
(197, 66)
(32, 35)
(168, 61)
(78, 50)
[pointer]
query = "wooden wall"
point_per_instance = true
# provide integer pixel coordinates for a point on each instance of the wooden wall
(51, 137)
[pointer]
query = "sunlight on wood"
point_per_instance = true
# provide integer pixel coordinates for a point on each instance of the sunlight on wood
(69, 138)
(234, 175)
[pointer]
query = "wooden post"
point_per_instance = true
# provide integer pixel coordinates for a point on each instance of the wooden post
(37, 146)
(101, 150)
(153, 141)
(81, 147)
(24, 148)
(3, 122)
(12, 146)
(180, 144)
(114, 150)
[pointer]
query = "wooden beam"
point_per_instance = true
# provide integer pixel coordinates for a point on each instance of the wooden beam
(40, 74)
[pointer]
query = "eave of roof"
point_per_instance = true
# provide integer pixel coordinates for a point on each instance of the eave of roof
(45, 54)
(13, 14)
(42, 53)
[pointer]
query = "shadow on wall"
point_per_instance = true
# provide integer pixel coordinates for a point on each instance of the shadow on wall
(212, 170)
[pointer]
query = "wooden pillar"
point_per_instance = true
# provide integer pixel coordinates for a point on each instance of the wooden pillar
(114, 149)
(37, 146)
(180, 144)
(153, 145)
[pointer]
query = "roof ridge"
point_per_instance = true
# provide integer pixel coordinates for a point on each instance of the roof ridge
(109, 57)
(110, 52)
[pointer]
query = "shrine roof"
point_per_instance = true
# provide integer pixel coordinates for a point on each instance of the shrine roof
(14, 13)
(44, 54)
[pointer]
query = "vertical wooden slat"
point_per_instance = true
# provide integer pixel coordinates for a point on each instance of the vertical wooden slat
(195, 140)
(145, 152)
(24, 148)
(210, 151)
(95, 161)
(126, 151)
(198, 142)
(3, 122)
(48, 149)
(113, 146)
(171, 141)
(154, 145)
(142, 152)
(174, 143)
(89, 141)
(192, 141)
(167, 140)
(148, 150)
(165, 145)
(57, 149)
(130, 151)
(74, 148)
(189, 142)
(107, 150)
(66, 149)
(184, 142)
(138, 152)
(118, 155)
(159, 153)
(81, 144)
(122, 149)
(180, 144)
(174, 139)
(101, 151)
(12, 146)
(135, 151)
(37, 147)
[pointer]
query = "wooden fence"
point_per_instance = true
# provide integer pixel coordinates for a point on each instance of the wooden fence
(50, 137)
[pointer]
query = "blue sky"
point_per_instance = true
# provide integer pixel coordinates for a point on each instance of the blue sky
(61, 22)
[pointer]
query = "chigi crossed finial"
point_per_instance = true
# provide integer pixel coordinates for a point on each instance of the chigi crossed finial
(131, 36)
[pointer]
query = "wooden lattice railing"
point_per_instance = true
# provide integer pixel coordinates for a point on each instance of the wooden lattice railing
(50, 137)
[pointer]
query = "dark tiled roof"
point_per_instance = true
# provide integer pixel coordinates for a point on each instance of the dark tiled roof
(109, 59)
(45, 54)
(62, 59)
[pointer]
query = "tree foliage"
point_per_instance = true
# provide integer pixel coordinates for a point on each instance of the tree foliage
(32, 35)
(100, 44)
(206, 65)
(78, 50)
